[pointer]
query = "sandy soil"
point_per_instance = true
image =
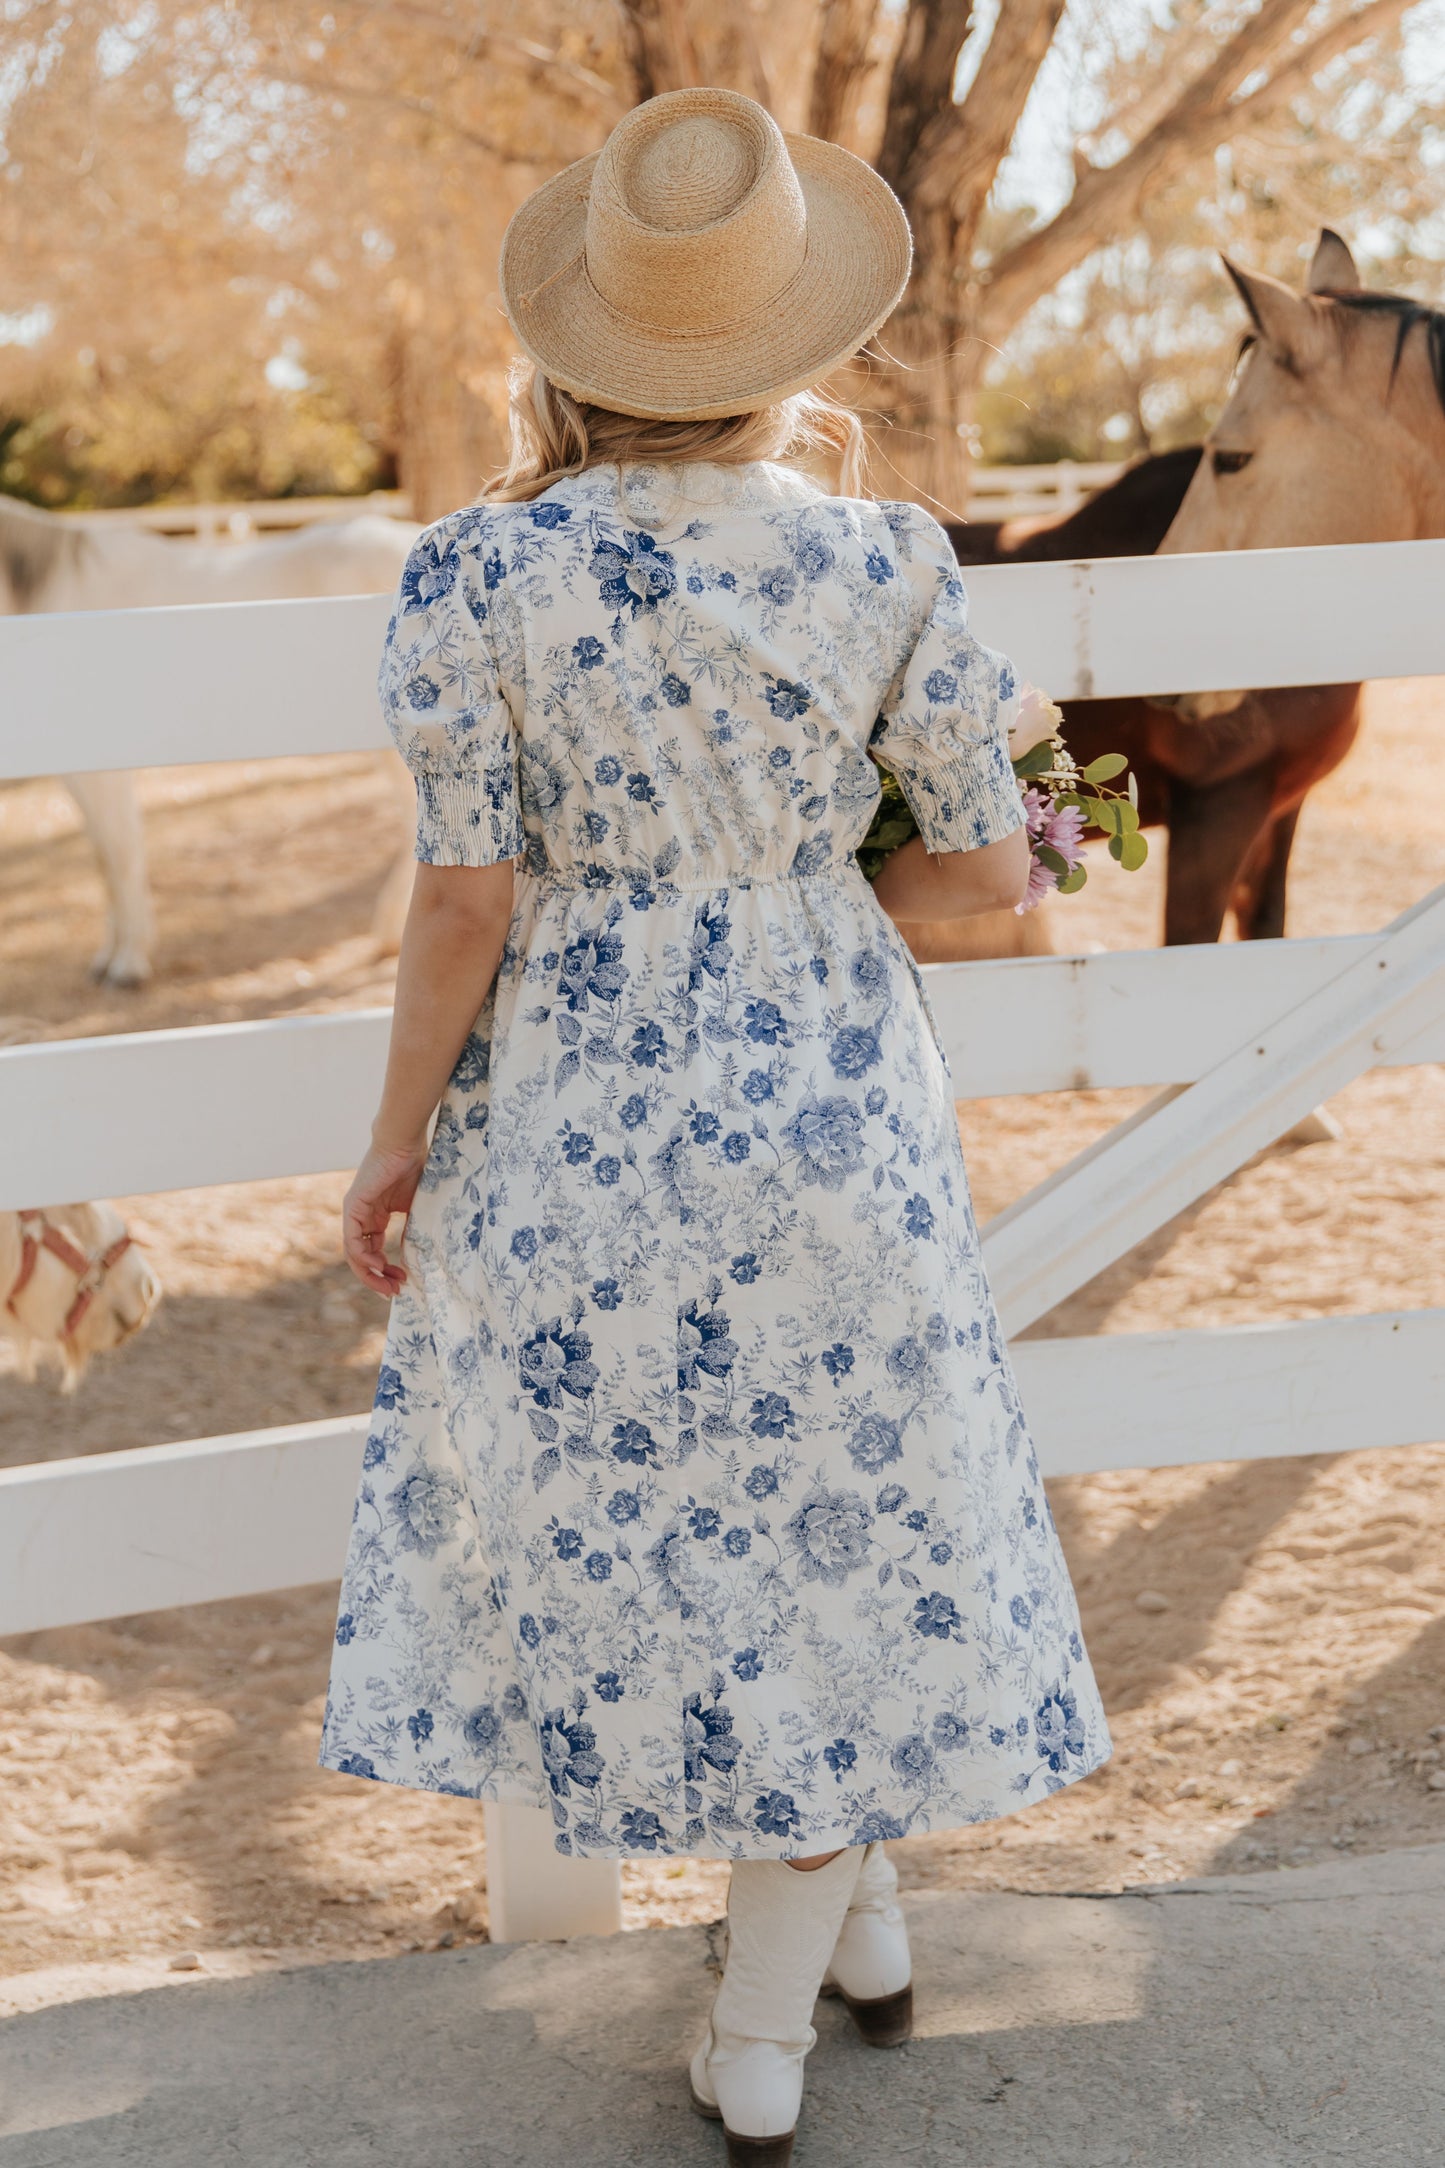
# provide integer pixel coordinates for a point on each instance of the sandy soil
(160, 1797)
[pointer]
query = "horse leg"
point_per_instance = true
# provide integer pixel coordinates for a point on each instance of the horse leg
(112, 817)
(1212, 829)
(1261, 910)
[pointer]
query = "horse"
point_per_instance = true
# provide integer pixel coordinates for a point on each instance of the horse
(74, 1284)
(1335, 431)
(51, 561)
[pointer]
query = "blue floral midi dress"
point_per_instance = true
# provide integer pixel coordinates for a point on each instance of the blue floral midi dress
(698, 1506)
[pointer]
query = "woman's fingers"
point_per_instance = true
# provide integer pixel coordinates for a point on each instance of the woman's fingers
(364, 1228)
(384, 1184)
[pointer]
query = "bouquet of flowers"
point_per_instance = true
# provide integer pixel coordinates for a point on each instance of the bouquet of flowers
(1060, 801)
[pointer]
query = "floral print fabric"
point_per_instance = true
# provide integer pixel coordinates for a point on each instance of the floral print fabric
(698, 1505)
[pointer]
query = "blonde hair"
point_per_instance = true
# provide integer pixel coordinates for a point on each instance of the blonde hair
(553, 434)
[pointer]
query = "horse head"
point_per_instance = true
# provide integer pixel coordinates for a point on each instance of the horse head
(1334, 430)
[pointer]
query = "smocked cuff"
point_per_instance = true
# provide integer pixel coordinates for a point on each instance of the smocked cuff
(963, 800)
(471, 819)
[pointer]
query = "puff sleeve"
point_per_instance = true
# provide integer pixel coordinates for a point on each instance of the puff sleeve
(944, 726)
(442, 697)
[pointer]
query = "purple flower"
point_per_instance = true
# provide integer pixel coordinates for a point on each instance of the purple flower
(1061, 829)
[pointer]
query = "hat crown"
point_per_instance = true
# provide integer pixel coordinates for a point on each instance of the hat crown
(695, 216)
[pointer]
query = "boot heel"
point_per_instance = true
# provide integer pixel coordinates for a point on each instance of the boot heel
(747, 2152)
(886, 2022)
(758, 2152)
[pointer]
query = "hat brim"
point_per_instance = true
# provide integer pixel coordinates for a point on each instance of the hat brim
(854, 272)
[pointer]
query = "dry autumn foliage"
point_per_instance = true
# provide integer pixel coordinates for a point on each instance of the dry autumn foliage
(190, 197)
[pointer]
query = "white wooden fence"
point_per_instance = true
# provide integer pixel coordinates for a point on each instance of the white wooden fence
(1031, 492)
(1240, 1040)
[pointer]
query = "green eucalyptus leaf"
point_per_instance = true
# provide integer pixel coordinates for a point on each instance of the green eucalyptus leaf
(1054, 860)
(1116, 847)
(1133, 852)
(1036, 761)
(1106, 767)
(1128, 816)
(1073, 882)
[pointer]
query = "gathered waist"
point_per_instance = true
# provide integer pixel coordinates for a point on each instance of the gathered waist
(641, 881)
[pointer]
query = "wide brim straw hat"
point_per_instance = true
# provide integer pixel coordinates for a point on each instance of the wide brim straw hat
(702, 263)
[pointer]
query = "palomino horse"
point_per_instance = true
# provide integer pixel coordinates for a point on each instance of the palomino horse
(52, 562)
(74, 1282)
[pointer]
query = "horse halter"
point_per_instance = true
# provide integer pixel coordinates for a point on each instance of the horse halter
(89, 1270)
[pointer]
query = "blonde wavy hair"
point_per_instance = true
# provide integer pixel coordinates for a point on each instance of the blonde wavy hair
(552, 435)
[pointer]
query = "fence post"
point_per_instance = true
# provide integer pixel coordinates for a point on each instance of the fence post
(534, 1892)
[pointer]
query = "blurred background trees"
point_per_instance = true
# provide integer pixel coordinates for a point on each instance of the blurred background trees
(249, 249)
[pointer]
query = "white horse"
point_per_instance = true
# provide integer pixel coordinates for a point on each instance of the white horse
(50, 561)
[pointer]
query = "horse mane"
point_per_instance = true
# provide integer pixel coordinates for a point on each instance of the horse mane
(33, 547)
(1408, 313)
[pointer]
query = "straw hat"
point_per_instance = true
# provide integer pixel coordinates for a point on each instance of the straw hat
(701, 262)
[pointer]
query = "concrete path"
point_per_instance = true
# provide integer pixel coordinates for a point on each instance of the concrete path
(1290, 2020)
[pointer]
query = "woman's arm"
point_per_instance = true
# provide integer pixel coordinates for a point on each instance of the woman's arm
(915, 886)
(455, 932)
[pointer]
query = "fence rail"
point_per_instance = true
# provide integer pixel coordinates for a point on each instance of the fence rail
(259, 680)
(294, 1095)
(994, 493)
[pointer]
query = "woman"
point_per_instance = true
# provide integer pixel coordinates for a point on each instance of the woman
(698, 1505)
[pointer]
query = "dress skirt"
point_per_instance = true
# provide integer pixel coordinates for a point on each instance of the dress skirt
(698, 1507)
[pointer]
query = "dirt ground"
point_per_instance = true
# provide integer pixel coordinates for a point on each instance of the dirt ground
(160, 1800)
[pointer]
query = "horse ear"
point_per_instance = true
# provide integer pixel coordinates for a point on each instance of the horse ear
(1284, 322)
(1332, 267)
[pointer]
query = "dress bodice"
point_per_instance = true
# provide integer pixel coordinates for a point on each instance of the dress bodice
(674, 675)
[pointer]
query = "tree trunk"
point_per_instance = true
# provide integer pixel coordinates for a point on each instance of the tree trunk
(923, 392)
(448, 439)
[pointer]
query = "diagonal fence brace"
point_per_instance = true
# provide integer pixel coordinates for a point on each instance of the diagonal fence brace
(1093, 1210)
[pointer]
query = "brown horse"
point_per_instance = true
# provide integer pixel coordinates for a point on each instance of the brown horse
(1335, 433)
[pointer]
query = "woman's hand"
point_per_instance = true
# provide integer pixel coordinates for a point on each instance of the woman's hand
(384, 1183)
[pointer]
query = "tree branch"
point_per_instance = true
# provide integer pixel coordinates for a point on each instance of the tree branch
(844, 38)
(542, 64)
(962, 147)
(921, 84)
(1206, 114)
(423, 108)
(659, 46)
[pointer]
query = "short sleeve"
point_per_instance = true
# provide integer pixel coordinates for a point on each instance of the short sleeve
(444, 706)
(943, 730)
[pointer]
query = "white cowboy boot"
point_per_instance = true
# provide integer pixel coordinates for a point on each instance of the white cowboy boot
(748, 2071)
(871, 1967)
